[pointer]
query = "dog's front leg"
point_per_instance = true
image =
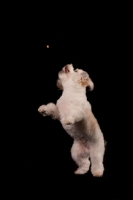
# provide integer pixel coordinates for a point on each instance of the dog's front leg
(49, 110)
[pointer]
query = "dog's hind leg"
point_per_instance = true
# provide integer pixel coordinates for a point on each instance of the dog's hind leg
(96, 156)
(80, 155)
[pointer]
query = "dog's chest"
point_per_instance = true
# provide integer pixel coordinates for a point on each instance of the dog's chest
(63, 101)
(66, 105)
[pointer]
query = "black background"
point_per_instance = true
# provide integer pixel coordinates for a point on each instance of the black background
(38, 149)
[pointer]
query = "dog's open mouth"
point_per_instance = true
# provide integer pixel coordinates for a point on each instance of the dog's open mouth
(66, 69)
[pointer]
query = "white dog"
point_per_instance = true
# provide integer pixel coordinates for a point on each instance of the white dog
(74, 112)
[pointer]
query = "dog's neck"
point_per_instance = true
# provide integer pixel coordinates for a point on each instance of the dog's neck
(74, 90)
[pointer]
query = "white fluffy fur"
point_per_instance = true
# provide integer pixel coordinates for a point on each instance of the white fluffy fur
(75, 114)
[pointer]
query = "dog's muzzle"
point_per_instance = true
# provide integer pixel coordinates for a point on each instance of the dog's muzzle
(66, 69)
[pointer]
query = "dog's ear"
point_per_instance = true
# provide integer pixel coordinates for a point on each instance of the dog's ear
(59, 84)
(86, 81)
(91, 84)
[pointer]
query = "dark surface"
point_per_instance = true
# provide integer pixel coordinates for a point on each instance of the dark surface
(37, 149)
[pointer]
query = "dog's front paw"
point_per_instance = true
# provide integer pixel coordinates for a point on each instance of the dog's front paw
(67, 121)
(43, 110)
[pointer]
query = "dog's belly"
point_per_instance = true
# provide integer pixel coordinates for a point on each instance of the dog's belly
(79, 131)
(70, 129)
(76, 133)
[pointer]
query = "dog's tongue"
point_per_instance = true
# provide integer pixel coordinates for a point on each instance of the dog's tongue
(66, 69)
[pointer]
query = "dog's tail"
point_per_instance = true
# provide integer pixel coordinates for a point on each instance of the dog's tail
(105, 143)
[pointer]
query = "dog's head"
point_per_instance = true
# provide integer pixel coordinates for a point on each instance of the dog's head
(69, 76)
